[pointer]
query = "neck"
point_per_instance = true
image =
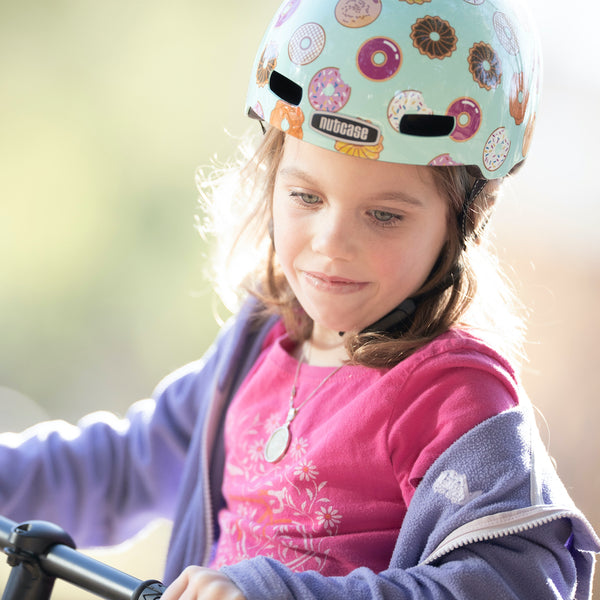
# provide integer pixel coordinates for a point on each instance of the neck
(325, 350)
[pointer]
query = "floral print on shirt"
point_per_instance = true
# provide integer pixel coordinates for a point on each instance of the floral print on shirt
(280, 510)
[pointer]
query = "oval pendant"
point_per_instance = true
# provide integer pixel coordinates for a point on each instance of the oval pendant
(277, 444)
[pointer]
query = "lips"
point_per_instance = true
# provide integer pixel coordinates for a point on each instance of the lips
(333, 284)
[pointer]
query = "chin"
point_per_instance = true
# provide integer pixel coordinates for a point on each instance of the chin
(335, 321)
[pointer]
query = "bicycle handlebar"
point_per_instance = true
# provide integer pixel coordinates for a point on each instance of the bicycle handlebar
(60, 560)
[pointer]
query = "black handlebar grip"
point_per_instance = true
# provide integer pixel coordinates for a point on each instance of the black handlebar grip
(149, 590)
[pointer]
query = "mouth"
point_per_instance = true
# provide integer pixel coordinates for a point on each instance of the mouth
(332, 284)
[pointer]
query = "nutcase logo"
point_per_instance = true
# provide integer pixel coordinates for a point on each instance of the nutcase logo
(346, 129)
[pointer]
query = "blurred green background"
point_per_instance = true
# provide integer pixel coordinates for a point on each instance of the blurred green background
(106, 111)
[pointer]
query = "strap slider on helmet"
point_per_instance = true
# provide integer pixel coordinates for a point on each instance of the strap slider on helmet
(427, 125)
(286, 89)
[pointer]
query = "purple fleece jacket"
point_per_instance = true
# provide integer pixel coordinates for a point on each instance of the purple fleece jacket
(491, 518)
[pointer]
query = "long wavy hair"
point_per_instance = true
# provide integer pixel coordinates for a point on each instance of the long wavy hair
(237, 209)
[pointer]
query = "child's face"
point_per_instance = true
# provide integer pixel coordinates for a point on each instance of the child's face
(354, 237)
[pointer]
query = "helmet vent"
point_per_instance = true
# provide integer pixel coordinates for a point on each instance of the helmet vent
(285, 88)
(427, 125)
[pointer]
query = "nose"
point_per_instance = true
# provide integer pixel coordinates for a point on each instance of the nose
(334, 235)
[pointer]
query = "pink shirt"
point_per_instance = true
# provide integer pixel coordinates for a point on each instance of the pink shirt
(359, 448)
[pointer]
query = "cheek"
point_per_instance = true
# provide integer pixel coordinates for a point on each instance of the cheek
(284, 235)
(410, 261)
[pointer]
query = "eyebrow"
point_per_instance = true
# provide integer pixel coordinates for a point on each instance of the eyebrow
(293, 171)
(392, 195)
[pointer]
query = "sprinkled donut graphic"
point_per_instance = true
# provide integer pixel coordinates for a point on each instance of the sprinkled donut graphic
(379, 59)
(433, 37)
(306, 44)
(328, 91)
(506, 33)
(287, 11)
(485, 66)
(357, 13)
(443, 160)
(371, 152)
(518, 98)
(286, 113)
(415, 1)
(266, 64)
(496, 149)
(406, 101)
(467, 115)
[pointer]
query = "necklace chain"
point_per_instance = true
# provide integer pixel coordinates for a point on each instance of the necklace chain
(279, 441)
(294, 389)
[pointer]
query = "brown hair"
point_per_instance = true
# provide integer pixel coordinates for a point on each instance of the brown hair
(479, 298)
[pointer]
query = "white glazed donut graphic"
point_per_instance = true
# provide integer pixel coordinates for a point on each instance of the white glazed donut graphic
(306, 44)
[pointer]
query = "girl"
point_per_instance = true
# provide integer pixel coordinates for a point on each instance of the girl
(358, 430)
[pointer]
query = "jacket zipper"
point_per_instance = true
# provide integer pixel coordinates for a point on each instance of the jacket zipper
(209, 430)
(500, 525)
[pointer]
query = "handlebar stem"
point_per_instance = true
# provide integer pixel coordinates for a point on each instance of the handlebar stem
(26, 543)
(40, 552)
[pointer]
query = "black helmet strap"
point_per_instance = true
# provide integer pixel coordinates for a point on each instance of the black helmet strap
(463, 216)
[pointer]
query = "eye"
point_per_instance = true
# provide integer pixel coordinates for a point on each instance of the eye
(304, 198)
(385, 218)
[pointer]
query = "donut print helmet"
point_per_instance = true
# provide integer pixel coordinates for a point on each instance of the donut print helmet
(425, 82)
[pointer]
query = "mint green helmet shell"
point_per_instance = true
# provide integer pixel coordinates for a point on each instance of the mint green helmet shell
(424, 82)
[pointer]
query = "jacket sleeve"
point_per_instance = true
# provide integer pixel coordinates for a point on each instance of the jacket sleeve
(490, 519)
(519, 567)
(106, 478)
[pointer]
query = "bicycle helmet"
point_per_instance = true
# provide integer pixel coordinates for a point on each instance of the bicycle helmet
(424, 82)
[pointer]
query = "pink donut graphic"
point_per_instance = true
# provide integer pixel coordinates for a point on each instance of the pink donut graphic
(306, 44)
(379, 59)
(286, 12)
(259, 111)
(467, 115)
(443, 160)
(327, 90)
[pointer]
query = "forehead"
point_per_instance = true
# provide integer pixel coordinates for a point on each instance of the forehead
(322, 167)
